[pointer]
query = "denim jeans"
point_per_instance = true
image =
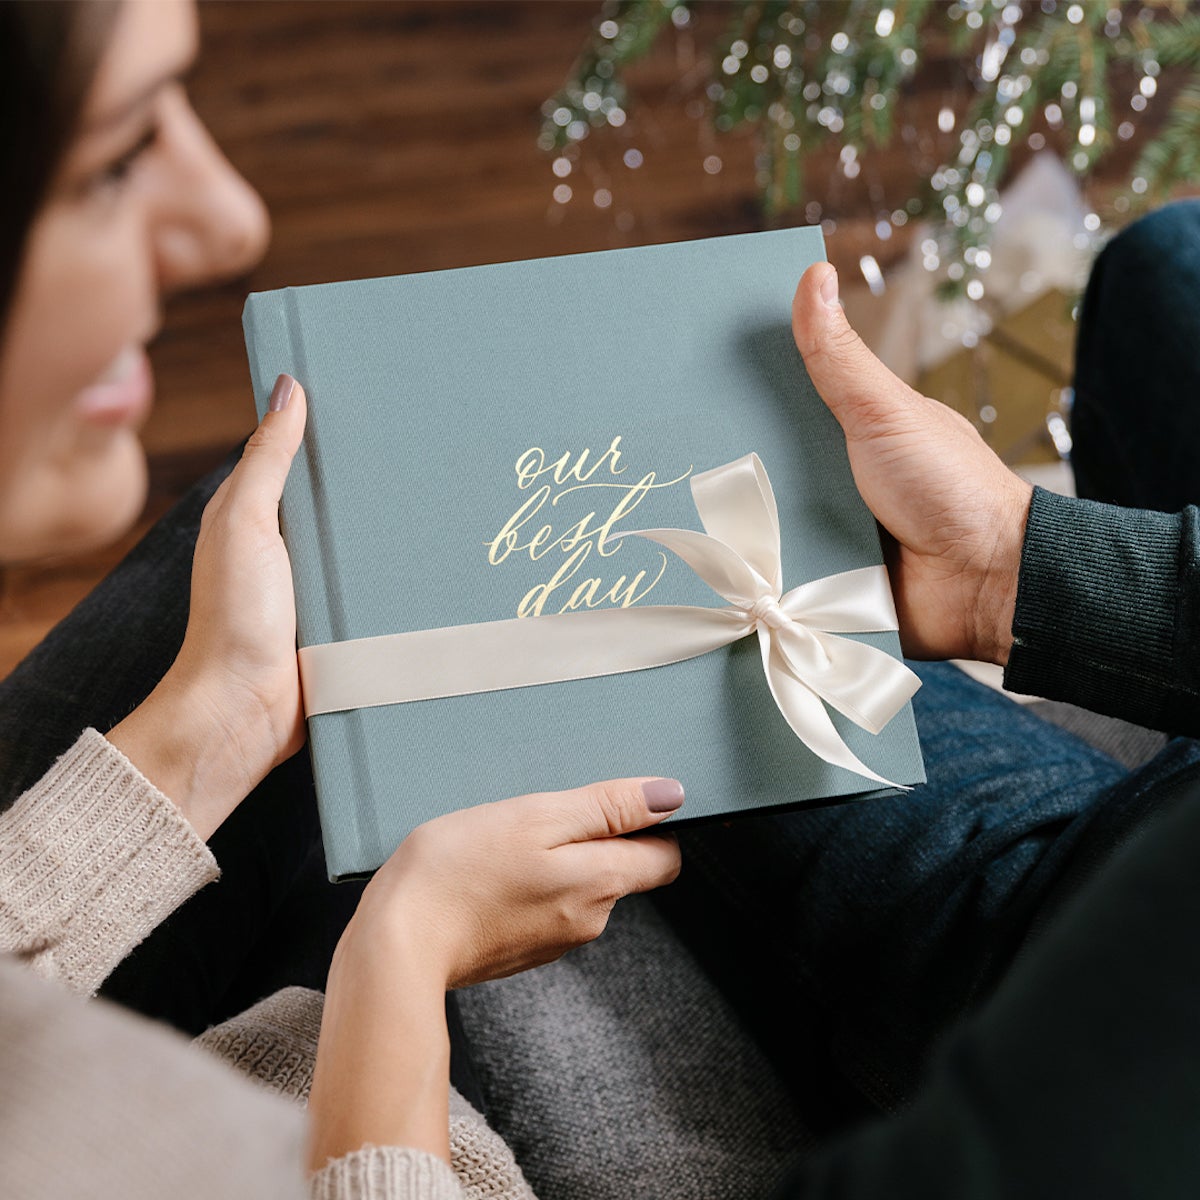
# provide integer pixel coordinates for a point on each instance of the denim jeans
(851, 938)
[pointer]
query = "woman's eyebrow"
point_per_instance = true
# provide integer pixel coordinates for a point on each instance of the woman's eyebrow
(121, 112)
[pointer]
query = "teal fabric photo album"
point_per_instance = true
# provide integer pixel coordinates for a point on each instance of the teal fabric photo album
(575, 519)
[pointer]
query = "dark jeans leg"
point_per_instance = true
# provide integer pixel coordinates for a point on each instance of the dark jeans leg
(1136, 419)
(851, 937)
(272, 918)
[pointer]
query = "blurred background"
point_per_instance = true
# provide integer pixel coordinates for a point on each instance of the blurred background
(965, 160)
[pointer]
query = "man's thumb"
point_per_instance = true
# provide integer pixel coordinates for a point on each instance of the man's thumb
(856, 386)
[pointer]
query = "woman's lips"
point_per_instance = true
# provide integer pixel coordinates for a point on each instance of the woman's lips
(123, 395)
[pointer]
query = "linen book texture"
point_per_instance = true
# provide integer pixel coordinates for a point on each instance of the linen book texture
(478, 442)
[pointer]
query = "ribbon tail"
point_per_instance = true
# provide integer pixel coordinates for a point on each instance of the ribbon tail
(861, 681)
(805, 712)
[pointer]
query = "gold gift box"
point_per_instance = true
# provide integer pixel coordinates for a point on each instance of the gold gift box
(1015, 383)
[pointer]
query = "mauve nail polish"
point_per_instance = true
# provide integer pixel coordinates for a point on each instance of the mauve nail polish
(662, 795)
(281, 393)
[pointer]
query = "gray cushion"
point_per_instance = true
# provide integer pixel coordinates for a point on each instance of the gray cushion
(1130, 745)
(620, 1071)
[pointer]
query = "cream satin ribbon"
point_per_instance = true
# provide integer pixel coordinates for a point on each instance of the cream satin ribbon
(807, 665)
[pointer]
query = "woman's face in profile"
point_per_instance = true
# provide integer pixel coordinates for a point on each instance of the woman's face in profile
(143, 203)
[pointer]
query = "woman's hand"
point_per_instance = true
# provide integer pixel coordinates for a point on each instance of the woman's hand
(228, 709)
(956, 513)
(474, 895)
(498, 888)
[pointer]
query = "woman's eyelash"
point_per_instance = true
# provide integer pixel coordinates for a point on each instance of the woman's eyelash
(117, 171)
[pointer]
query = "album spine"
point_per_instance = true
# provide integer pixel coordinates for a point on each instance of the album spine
(274, 333)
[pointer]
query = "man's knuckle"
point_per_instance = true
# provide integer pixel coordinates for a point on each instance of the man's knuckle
(844, 343)
(814, 354)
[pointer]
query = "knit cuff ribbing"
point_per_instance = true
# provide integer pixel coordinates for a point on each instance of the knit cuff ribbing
(1097, 610)
(375, 1172)
(92, 858)
(274, 1042)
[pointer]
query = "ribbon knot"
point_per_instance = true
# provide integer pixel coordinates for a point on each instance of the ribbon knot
(767, 610)
(807, 664)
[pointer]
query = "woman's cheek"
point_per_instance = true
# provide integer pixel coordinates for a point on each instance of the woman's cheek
(75, 491)
(72, 471)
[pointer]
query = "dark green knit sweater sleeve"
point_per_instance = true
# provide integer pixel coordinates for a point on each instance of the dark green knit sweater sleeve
(1108, 611)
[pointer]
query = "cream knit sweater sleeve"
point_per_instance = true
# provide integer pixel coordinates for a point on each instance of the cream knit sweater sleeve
(92, 858)
(275, 1044)
(97, 1102)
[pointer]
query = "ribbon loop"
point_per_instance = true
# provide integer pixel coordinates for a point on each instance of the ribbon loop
(736, 504)
(808, 664)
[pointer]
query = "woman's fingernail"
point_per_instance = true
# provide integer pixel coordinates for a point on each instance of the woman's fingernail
(829, 288)
(662, 795)
(285, 385)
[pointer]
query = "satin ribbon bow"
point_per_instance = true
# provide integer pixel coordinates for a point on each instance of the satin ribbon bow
(804, 659)
(806, 663)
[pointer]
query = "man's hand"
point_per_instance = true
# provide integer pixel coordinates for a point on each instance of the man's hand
(956, 514)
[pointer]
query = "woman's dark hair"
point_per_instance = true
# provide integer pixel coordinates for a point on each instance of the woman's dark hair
(48, 56)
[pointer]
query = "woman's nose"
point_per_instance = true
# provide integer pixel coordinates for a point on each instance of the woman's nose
(210, 224)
